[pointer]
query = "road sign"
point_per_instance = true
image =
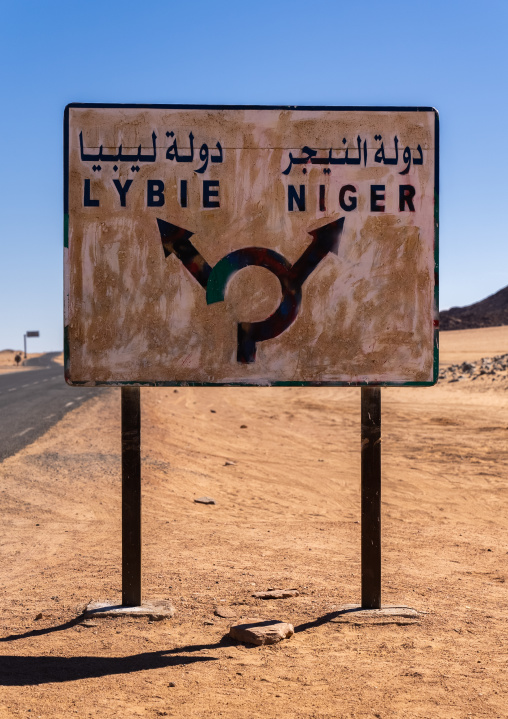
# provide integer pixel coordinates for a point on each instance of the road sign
(34, 333)
(250, 245)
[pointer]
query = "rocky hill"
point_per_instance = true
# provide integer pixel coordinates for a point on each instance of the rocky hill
(490, 312)
(492, 368)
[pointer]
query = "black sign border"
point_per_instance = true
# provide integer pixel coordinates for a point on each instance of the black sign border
(316, 108)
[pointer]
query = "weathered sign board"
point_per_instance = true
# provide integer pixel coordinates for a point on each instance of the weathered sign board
(250, 245)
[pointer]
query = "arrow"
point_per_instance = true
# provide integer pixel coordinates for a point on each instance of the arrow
(324, 240)
(176, 240)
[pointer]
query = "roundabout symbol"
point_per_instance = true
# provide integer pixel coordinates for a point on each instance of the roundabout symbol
(214, 280)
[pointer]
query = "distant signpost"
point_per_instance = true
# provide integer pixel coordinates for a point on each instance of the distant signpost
(34, 333)
(253, 246)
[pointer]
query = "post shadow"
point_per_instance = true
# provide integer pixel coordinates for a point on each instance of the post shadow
(46, 630)
(28, 671)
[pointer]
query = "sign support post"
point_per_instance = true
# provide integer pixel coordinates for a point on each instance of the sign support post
(131, 497)
(131, 521)
(35, 333)
(371, 497)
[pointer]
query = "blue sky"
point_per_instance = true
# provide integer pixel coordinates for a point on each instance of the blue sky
(448, 54)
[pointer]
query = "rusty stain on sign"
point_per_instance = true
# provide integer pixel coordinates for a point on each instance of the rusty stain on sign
(212, 245)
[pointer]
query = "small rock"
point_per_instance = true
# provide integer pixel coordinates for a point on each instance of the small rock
(88, 623)
(213, 411)
(243, 426)
(208, 623)
(277, 594)
(258, 631)
(227, 463)
(160, 609)
(205, 500)
(39, 616)
(224, 613)
(356, 615)
(171, 684)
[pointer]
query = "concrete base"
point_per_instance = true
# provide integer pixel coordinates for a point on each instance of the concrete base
(153, 610)
(388, 614)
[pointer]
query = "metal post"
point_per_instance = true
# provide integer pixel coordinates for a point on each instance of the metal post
(371, 497)
(24, 340)
(131, 497)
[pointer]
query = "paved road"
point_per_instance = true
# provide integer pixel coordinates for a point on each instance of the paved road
(33, 401)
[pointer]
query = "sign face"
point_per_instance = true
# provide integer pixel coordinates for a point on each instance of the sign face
(33, 334)
(250, 245)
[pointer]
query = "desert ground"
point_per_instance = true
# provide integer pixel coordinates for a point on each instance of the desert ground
(8, 364)
(287, 514)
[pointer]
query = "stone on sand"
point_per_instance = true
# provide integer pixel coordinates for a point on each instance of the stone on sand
(156, 610)
(205, 500)
(387, 614)
(259, 631)
(224, 613)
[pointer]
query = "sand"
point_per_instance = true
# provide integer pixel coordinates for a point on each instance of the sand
(59, 359)
(286, 516)
(470, 345)
(8, 364)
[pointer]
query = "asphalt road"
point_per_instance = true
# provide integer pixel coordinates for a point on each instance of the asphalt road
(32, 401)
